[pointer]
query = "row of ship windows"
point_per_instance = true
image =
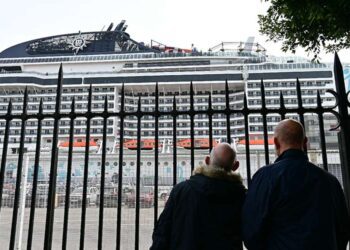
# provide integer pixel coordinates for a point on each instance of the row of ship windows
(161, 125)
(53, 98)
(130, 133)
(51, 123)
(63, 106)
(186, 124)
(183, 132)
(149, 133)
(199, 132)
(150, 118)
(183, 108)
(232, 106)
(53, 90)
(168, 108)
(287, 101)
(216, 131)
(216, 123)
(286, 66)
(180, 100)
(61, 131)
(146, 124)
(288, 84)
(285, 92)
(111, 90)
(183, 93)
(133, 101)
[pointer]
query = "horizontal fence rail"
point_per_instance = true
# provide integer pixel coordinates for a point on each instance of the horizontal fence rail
(339, 110)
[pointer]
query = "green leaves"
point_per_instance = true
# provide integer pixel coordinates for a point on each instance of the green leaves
(311, 24)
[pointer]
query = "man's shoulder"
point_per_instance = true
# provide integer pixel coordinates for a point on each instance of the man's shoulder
(285, 166)
(266, 170)
(330, 178)
(181, 186)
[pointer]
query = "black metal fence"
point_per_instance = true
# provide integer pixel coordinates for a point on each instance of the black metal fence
(339, 110)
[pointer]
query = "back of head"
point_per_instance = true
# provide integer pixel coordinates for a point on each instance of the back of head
(289, 134)
(223, 156)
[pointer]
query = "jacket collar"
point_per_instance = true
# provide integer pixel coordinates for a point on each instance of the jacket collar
(217, 173)
(292, 153)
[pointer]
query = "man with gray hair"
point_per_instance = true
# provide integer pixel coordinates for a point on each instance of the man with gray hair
(293, 204)
(204, 212)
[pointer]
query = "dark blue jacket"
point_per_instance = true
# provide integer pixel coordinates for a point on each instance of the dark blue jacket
(295, 205)
(203, 212)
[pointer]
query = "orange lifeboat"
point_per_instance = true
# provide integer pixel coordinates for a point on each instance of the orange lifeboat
(147, 144)
(77, 144)
(256, 142)
(198, 143)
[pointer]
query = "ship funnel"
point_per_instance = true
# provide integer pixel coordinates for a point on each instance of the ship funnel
(124, 28)
(110, 27)
(120, 26)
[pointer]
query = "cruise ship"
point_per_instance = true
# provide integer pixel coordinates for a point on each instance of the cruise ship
(107, 59)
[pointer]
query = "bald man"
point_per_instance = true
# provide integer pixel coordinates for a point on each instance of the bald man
(204, 212)
(293, 204)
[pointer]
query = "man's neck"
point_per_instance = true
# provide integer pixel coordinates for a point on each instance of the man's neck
(284, 149)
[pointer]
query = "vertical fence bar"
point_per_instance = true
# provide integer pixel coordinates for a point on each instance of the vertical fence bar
(156, 152)
(174, 143)
(300, 107)
(228, 113)
(103, 174)
(344, 134)
(35, 176)
(210, 116)
(69, 175)
(300, 103)
(86, 172)
(4, 149)
(19, 172)
(264, 112)
(53, 166)
(138, 163)
(282, 107)
(322, 134)
(246, 137)
(120, 174)
(192, 115)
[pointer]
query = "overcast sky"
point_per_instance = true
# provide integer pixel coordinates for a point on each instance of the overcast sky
(175, 23)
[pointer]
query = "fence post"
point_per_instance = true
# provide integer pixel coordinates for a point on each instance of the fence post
(344, 134)
(23, 201)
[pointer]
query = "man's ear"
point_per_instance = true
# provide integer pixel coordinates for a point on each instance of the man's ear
(207, 160)
(235, 166)
(277, 143)
(305, 144)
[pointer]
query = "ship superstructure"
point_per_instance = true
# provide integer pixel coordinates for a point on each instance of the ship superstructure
(107, 59)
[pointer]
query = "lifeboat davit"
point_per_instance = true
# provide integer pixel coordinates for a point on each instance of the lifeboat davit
(147, 144)
(198, 143)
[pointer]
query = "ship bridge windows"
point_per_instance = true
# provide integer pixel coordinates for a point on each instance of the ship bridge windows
(10, 69)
